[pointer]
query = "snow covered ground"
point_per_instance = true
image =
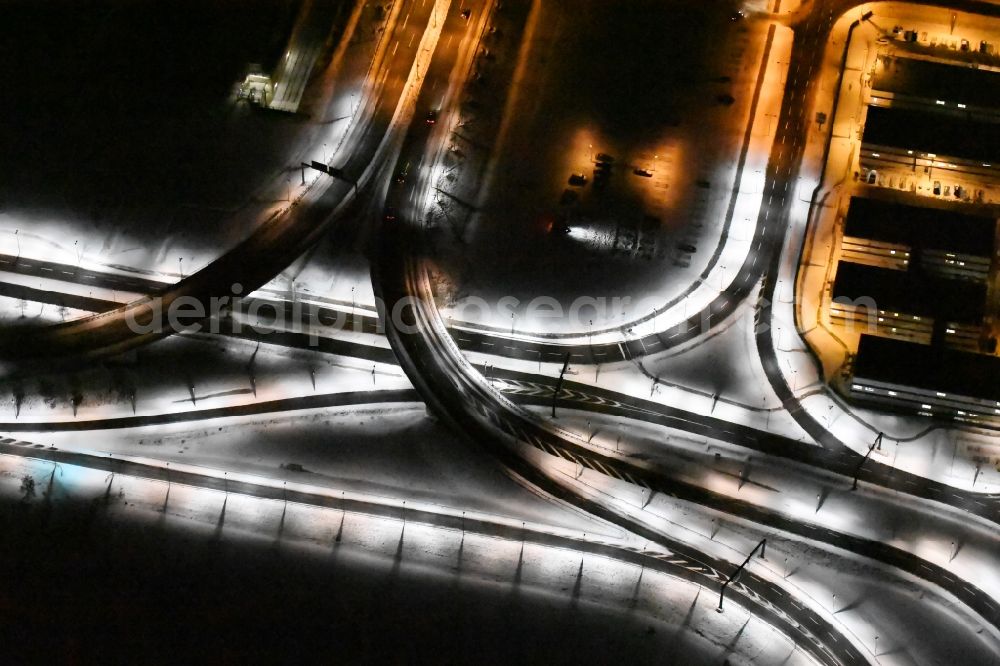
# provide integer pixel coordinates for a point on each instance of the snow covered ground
(395, 451)
(406, 591)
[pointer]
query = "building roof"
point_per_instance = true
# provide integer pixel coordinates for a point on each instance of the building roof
(936, 133)
(932, 369)
(911, 292)
(919, 227)
(935, 80)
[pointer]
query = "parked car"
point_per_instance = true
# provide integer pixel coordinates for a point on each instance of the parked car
(937, 188)
(578, 179)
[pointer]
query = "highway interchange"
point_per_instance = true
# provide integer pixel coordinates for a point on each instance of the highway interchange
(405, 85)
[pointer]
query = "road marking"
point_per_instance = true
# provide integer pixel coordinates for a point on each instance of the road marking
(394, 47)
(405, 20)
(45, 269)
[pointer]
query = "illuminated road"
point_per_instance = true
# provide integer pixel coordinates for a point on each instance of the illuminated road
(537, 389)
(254, 261)
(453, 388)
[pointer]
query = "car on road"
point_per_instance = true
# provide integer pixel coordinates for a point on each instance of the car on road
(403, 173)
(390, 214)
(432, 116)
(604, 157)
(466, 14)
(578, 179)
(737, 16)
(642, 172)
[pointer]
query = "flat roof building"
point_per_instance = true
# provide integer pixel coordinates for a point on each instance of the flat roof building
(932, 381)
(933, 134)
(924, 80)
(911, 293)
(920, 227)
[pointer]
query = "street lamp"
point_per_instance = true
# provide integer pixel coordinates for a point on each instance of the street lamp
(722, 592)
(558, 386)
(877, 443)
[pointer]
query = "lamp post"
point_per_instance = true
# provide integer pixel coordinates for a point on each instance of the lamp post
(722, 592)
(558, 386)
(877, 443)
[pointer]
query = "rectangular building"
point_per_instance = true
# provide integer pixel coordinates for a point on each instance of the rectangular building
(931, 381)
